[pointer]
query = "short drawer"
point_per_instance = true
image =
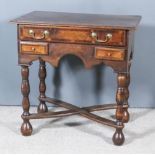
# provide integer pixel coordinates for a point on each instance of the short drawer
(109, 54)
(34, 33)
(33, 48)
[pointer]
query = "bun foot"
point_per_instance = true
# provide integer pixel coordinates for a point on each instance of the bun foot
(118, 137)
(42, 108)
(26, 128)
(126, 116)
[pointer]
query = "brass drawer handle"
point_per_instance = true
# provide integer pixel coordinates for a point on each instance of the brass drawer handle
(43, 35)
(107, 37)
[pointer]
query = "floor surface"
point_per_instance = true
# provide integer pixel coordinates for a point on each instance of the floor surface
(76, 134)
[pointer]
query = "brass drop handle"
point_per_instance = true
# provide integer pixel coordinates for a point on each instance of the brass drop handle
(44, 34)
(107, 37)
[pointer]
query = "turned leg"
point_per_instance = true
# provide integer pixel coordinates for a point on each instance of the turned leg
(118, 137)
(26, 128)
(126, 115)
(42, 108)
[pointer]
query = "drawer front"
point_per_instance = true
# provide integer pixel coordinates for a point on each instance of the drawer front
(109, 54)
(34, 48)
(34, 33)
(111, 37)
(105, 36)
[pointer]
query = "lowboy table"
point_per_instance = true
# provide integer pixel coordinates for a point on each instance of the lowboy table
(95, 39)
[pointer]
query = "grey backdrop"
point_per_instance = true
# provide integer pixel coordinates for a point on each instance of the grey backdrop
(72, 82)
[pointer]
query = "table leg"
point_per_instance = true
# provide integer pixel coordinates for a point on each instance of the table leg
(126, 115)
(42, 87)
(26, 128)
(118, 137)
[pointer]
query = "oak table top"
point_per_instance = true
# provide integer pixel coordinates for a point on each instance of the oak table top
(79, 19)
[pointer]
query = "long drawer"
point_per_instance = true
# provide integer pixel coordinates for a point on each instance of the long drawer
(103, 36)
